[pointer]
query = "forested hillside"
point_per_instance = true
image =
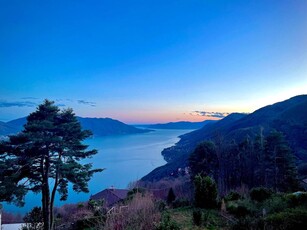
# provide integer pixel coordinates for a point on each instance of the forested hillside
(288, 118)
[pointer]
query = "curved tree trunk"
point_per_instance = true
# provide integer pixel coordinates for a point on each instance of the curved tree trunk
(46, 195)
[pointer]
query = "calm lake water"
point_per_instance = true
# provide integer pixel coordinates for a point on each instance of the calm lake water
(125, 158)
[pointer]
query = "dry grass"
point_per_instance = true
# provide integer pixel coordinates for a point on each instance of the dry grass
(141, 214)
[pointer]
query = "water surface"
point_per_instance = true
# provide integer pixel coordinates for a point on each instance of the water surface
(126, 158)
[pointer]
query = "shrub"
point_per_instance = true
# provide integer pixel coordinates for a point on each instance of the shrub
(260, 194)
(212, 219)
(246, 223)
(161, 205)
(240, 208)
(275, 203)
(167, 223)
(170, 196)
(232, 196)
(140, 213)
(288, 219)
(205, 192)
(34, 219)
(181, 202)
(297, 199)
(197, 217)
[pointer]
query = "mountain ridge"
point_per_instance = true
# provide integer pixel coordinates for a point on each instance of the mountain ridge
(99, 126)
(180, 125)
(289, 117)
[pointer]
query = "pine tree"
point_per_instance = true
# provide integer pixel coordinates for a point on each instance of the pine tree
(281, 172)
(170, 196)
(205, 192)
(49, 149)
(204, 160)
(259, 153)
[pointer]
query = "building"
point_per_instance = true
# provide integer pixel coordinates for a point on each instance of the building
(111, 196)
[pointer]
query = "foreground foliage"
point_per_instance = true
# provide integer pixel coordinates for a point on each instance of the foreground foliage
(44, 158)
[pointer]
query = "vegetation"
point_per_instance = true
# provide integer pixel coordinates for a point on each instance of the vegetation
(170, 196)
(205, 192)
(288, 117)
(34, 219)
(249, 182)
(48, 148)
(203, 160)
(265, 161)
(167, 223)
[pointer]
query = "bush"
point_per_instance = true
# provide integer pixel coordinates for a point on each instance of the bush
(212, 219)
(140, 213)
(167, 223)
(181, 202)
(260, 194)
(197, 219)
(276, 203)
(288, 219)
(246, 223)
(170, 196)
(161, 205)
(297, 199)
(205, 192)
(241, 208)
(34, 219)
(232, 196)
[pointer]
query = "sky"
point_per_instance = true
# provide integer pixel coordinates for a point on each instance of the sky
(151, 61)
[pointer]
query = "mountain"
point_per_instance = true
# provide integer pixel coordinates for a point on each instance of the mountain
(108, 126)
(289, 117)
(180, 125)
(17, 124)
(6, 129)
(99, 126)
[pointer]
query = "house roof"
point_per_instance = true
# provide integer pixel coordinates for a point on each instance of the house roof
(110, 196)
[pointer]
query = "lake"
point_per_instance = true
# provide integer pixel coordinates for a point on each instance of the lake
(126, 158)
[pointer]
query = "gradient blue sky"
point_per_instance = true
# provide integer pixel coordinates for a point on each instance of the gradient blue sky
(151, 61)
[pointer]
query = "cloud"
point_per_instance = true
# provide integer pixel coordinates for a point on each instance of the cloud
(209, 114)
(87, 103)
(29, 98)
(60, 105)
(5, 104)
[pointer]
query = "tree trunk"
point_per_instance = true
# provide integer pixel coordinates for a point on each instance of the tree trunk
(46, 195)
(56, 181)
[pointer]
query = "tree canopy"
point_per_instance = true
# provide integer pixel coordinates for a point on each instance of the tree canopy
(49, 149)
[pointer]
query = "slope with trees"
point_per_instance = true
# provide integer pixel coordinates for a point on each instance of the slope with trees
(180, 125)
(288, 117)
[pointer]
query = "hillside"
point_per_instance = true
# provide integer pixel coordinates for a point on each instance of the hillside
(289, 117)
(180, 125)
(108, 126)
(6, 129)
(99, 126)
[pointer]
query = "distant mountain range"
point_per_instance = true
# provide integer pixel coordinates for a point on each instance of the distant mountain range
(99, 126)
(289, 117)
(180, 125)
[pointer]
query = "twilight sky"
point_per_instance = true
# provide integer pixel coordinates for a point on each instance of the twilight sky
(151, 61)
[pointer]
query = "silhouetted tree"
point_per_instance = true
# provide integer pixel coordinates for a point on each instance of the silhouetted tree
(281, 172)
(170, 196)
(205, 192)
(49, 149)
(204, 160)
